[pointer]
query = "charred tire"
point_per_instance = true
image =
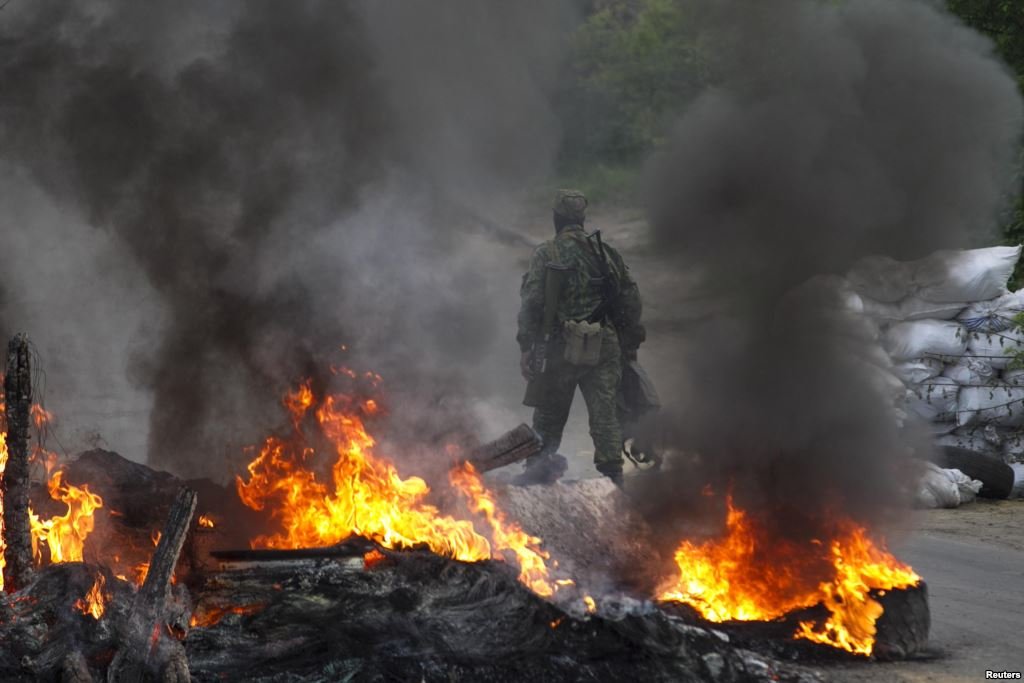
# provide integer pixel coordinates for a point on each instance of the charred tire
(902, 630)
(994, 474)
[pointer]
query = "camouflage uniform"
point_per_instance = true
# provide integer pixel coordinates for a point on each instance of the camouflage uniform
(581, 295)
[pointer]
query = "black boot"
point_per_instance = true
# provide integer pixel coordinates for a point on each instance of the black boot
(617, 479)
(613, 473)
(542, 469)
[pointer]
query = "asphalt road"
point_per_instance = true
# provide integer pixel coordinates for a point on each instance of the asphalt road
(976, 591)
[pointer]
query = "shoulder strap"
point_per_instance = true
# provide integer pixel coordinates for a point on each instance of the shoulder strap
(558, 253)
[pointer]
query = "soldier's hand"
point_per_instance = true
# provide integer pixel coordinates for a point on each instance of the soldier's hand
(525, 366)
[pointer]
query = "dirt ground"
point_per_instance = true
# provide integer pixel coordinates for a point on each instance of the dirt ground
(972, 559)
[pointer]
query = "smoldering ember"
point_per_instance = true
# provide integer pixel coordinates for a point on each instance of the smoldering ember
(298, 297)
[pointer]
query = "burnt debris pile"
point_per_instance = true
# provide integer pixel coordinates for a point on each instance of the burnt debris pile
(353, 612)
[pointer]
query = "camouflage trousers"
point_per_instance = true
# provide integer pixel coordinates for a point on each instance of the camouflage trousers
(599, 385)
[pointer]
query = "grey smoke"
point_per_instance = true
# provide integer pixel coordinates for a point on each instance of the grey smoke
(835, 130)
(282, 178)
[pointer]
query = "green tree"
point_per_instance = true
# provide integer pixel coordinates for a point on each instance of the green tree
(635, 64)
(1003, 22)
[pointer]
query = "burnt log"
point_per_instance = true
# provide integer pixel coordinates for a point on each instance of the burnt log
(74, 669)
(145, 647)
(513, 446)
(136, 502)
(411, 615)
(16, 529)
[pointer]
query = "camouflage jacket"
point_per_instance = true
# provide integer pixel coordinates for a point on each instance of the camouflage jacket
(583, 291)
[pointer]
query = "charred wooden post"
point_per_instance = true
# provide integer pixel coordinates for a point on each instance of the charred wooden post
(17, 532)
(145, 647)
(513, 446)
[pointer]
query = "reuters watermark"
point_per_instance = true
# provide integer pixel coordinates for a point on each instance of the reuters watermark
(1002, 675)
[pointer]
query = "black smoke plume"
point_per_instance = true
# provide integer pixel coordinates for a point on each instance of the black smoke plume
(835, 130)
(286, 177)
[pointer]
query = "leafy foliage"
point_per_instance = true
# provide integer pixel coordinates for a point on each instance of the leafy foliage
(635, 65)
(1003, 22)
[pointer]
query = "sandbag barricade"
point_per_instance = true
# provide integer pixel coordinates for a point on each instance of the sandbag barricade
(949, 324)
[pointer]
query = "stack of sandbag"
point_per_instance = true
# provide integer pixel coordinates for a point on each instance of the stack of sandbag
(947, 323)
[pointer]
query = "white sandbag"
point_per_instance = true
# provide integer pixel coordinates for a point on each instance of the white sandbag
(936, 489)
(905, 341)
(1002, 406)
(918, 370)
(935, 400)
(969, 440)
(971, 372)
(970, 275)
(995, 348)
(966, 487)
(1013, 377)
(882, 278)
(911, 308)
(995, 315)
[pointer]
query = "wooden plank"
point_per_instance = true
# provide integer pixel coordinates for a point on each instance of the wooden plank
(515, 445)
(17, 533)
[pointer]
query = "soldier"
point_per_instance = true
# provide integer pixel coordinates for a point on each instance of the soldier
(580, 317)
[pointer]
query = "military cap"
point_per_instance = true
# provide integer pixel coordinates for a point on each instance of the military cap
(571, 205)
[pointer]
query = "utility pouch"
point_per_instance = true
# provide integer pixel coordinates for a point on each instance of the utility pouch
(582, 343)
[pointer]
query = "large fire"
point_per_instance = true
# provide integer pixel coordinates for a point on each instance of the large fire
(747, 574)
(63, 535)
(322, 482)
(362, 494)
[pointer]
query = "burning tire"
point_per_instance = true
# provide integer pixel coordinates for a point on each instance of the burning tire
(902, 630)
(994, 474)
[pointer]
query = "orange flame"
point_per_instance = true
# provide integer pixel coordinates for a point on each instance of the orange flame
(206, 521)
(364, 495)
(205, 617)
(95, 601)
(747, 575)
(65, 535)
(141, 570)
(533, 571)
(373, 558)
(860, 568)
(3, 466)
(40, 416)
